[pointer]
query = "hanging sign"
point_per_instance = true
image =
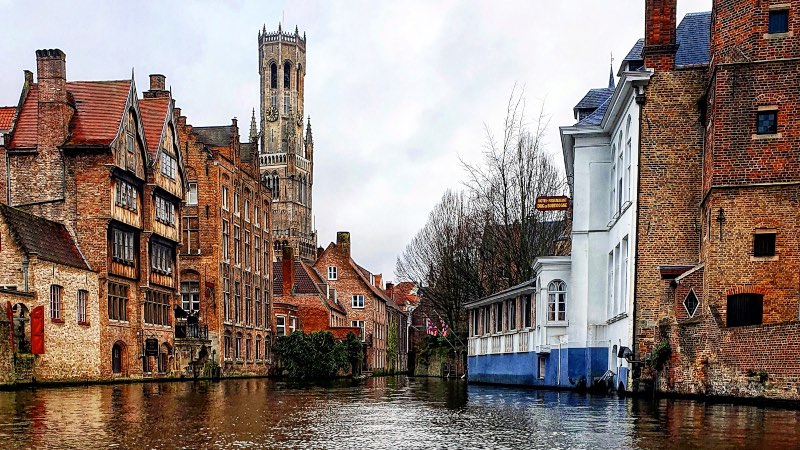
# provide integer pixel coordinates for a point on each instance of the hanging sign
(151, 347)
(552, 203)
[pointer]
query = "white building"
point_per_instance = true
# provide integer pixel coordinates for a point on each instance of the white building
(601, 161)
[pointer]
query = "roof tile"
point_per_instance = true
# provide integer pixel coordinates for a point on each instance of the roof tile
(49, 240)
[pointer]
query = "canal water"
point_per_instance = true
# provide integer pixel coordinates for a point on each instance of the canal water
(395, 413)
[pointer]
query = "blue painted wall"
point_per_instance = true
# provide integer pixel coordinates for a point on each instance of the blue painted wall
(522, 368)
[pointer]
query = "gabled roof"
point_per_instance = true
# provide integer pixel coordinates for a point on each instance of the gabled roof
(306, 282)
(154, 112)
(596, 117)
(693, 35)
(6, 117)
(99, 108)
(594, 98)
(49, 240)
(219, 136)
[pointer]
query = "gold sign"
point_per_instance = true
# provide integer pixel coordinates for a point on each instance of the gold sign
(552, 203)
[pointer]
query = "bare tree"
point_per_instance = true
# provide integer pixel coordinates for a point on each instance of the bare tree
(515, 170)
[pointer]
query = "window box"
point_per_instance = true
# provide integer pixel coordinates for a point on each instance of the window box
(57, 320)
(84, 324)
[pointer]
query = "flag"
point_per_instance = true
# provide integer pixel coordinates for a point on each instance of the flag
(444, 328)
(430, 328)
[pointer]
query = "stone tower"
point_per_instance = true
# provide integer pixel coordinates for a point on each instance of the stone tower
(286, 153)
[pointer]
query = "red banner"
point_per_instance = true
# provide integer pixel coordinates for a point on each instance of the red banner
(37, 330)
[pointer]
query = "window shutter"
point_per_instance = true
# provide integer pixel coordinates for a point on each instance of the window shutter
(37, 330)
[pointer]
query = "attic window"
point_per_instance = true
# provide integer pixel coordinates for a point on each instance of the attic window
(778, 21)
(635, 65)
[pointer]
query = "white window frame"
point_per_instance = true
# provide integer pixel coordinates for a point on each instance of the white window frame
(332, 273)
(56, 297)
(358, 301)
(80, 306)
(360, 324)
(553, 299)
(191, 193)
(280, 325)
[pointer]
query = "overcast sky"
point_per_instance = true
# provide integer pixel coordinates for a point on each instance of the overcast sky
(397, 92)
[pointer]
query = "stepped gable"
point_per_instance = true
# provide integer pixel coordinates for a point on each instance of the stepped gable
(49, 240)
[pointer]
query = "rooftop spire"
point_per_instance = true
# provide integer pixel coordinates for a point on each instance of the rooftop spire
(253, 129)
(309, 138)
(611, 73)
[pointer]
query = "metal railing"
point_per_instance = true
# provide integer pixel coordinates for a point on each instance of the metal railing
(191, 331)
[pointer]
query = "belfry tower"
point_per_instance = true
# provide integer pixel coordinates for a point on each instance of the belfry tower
(286, 153)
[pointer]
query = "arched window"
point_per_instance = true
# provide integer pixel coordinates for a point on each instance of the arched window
(238, 348)
(299, 82)
(228, 345)
(273, 76)
(557, 301)
(276, 185)
(287, 75)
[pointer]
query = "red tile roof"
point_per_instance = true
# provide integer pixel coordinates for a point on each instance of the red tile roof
(306, 282)
(99, 107)
(49, 240)
(6, 117)
(153, 111)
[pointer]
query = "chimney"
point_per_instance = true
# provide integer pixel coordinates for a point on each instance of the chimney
(288, 269)
(390, 290)
(54, 110)
(660, 20)
(158, 86)
(51, 72)
(343, 242)
(379, 280)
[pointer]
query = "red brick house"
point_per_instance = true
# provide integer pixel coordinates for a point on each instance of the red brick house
(718, 245)
(364, 302)
(302, 300)
(78, 155)
(226, 252)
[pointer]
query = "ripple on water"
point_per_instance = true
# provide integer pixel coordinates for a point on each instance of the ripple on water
(393, 413)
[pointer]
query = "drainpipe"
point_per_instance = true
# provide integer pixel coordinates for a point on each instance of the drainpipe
(558, 379)
(25, 264)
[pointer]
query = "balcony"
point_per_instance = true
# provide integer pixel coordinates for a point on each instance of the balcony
(281, 159)
(514, 341)
(191, 331)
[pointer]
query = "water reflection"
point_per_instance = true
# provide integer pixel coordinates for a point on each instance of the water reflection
(394, 412)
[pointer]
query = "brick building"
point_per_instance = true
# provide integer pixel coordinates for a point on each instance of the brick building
(226, 253)
(48, 295)
(286, 156)
(719, 183)
(304, 301)
(364, 302)
(78, 155)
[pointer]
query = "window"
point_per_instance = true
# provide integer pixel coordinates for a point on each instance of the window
(248, 306)
(779, 21)
(226, 299)
(292, 324)
(273, 76)
(745, 309)
(486, 320)
(362, 325)
(116, 358)
(258, 311)
(247, 248)
(238, 348)
(256, 214)
(236, 203)
(125, 195)
(332, 273)
(55, 302)
(623, 276)
(191, 195)
(237, 246)
(512, 314)
(610, 285)
(691, 303)
(247, 345)
(287, 103)
(498, 317)
(225, 197)
(117, 301)
(542, 365)
(161, 258)
(165, 211)
(258, 347)
(247, 209)
(225, 238)
(80, 306)
(764, 244)
(168, 165)
(358, 301)
(287, 75)
(123, 250)
(256, 254)
(266, 255)
(191, 235)
(228, 345)
(526, 311)
(280, 325)
(474, 322)
(237, 301)
(557, 301)
(156, 308)
(767, 122)
(190, 296)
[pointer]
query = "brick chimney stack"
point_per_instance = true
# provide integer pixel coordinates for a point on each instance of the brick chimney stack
(54, 110)
(343, 242)
(660, 20)
(158, 87)
(288, 269)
